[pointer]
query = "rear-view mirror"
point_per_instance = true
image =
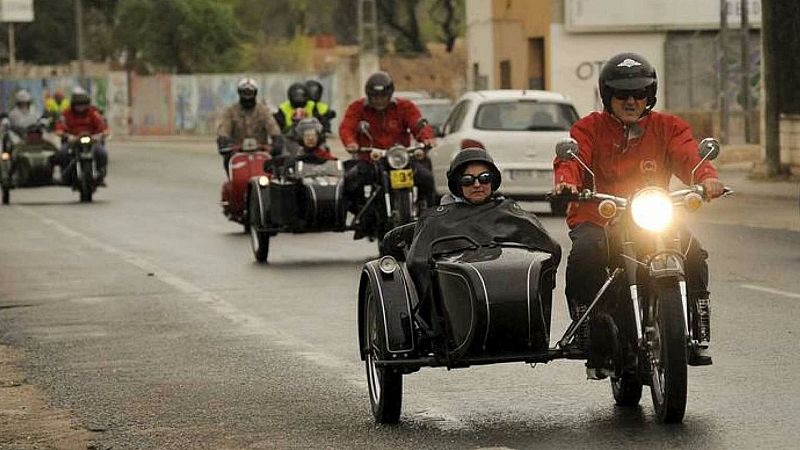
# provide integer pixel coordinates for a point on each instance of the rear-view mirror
(709, 149)
(567, 149)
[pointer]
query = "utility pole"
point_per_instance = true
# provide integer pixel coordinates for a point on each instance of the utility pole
(769, 42)
(747, 106)
(12, 46)
(367, 39)
(723, 71)
(79, 36)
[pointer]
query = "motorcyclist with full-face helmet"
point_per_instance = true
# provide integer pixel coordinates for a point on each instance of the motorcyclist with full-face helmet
(392, 121)
(320, 109)
(627, 146)
(245, 119)
(23, 114)
(297, 106)
(81, 117)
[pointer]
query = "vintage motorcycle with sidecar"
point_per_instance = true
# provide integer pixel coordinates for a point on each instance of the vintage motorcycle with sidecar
(491, 303)
(27, 161)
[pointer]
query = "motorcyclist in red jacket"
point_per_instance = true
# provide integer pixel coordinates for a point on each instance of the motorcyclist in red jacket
(81, 117)
(626, 145)
(392, 121)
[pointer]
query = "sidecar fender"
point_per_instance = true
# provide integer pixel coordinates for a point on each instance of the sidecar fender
(261, 194)
(396, 294)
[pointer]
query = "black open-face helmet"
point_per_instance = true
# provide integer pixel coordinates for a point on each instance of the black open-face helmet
(297, 95)
(314, 88)
(379, 83)
(628, 72)
(462, 160)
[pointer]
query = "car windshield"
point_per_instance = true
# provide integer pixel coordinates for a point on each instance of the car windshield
(525, 116)
(436, 114)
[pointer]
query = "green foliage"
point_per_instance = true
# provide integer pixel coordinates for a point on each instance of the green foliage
(180, 36)
(50, 38)
(278, 55)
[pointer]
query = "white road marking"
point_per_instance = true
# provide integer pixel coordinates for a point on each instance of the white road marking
(247, 322)
(771, 291)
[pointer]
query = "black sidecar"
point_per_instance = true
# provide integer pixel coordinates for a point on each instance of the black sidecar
(487, 304)
(299, 197)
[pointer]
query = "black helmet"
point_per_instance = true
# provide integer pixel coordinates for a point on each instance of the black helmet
(462, 160)
(79, 97)
(314, 89)
(379, 83)
(628, 71)
(298, 95)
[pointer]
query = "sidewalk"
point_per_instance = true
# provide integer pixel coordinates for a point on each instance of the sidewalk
(737, 177)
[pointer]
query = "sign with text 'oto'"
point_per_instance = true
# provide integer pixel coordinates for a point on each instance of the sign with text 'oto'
(16, 10)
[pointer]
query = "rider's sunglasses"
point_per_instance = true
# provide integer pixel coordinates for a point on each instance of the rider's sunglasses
(638, 94)
(469, 179)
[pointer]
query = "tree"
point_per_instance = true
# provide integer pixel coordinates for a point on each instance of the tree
(185, 37)
(449, 16)
(401, 18)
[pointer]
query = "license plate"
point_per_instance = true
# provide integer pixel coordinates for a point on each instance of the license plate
(401, 179)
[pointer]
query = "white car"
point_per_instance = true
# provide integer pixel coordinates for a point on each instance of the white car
(519, 128)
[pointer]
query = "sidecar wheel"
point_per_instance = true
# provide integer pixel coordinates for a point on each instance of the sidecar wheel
(627, 389)
(259, 240)
(668, 375)
(385, 384)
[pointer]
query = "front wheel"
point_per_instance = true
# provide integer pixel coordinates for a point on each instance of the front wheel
(259, 240)
(667, 354)
(385, 384)
(6, 195)
(86, 182)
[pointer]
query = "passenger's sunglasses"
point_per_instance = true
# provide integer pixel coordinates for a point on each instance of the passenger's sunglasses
(638, 94)
(469, 179)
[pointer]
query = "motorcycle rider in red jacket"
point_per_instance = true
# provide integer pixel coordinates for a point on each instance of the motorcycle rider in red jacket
(626, 145)
(81, 117)
(392, 121)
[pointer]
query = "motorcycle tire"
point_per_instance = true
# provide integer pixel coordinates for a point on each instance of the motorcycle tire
(6, 195)
(86, 188)
(385, 383)
(259, 240)
(668, 355)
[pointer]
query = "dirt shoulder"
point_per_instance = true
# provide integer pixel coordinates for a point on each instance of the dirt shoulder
(26, 421)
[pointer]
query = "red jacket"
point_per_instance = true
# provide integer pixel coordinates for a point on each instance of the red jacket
(91, 122)
(660, 140)
(394, 125)
(321, 153)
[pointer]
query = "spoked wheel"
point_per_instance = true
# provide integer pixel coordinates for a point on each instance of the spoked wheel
(385, 384)
(259, 240)
(667, 347)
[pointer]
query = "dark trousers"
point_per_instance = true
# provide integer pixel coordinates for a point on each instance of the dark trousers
(586, 265)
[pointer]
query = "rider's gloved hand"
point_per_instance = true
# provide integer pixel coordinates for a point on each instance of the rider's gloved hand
(565, 187)
(430, 143)
(712, 188)
(222, 144)
(351, 148)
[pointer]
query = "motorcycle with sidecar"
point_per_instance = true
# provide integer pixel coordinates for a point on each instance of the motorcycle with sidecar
(27, 161)
(491, 303)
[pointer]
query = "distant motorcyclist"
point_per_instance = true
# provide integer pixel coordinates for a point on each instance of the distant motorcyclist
(392, 121)
(298, 101)
(247, 119)
(309, 133)
(628, 146)
(56, 105)
(320, 110)
(81, 118)
(23, 114)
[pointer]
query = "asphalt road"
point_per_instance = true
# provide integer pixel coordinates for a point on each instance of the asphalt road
(145, 315)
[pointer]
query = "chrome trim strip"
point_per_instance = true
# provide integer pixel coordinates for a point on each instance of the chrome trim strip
(488, 311)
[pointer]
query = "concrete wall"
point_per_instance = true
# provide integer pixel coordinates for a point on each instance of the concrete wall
(480, 43)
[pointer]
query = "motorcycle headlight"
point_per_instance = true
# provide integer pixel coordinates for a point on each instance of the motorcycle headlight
(85, 139)
(6, 156)
(397, 158)
(652, 209)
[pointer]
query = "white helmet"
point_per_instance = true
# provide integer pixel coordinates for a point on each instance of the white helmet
(22, 96)
(245, 85)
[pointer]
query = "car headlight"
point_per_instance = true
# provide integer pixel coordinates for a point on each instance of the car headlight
(652, 209)
(85, 139)
(397, 157)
